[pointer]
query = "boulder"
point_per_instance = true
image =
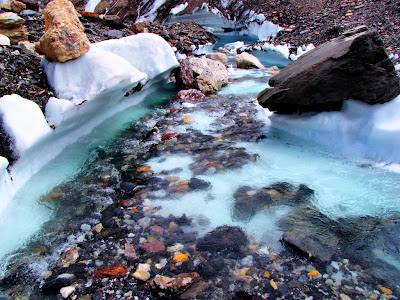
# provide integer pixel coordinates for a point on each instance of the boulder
(64, 38)
(12, 26)
(248, 61)
(219, 56)
(204, 74)
(352, 66)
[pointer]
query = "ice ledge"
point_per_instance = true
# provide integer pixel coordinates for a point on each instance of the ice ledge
(23, 122)
(110, 66)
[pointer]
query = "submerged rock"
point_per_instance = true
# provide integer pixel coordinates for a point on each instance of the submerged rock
(352, 66)
(64, 38)
(224, 239)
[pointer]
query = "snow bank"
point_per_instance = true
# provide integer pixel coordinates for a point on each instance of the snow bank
(23, 121)
(111, 66)
(301, 50)
(366, 131)
(204, 49)
(265, 30)
(177, 9)
(91, 5)
(57, 110)
(5, 181)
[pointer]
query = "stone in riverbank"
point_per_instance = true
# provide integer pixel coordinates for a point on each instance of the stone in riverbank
(247, 61)
(64, 39)
(204, 74)
(353, 66)
(12, 26)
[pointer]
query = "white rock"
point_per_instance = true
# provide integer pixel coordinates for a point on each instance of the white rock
(23, 121)
(4, 40)
(66, 291)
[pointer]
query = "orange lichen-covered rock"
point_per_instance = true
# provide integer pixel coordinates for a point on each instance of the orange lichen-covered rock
(181, 257)
(64, 38)
(313, 273)
(144, 169)
(386, 291)
(89, 14)
(113, 271)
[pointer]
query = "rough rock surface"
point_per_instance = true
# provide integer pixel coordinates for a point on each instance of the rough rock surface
(218, 56)
(356, 62)
(204, 74)
(64, 39)
(247, 61)
(11, 25)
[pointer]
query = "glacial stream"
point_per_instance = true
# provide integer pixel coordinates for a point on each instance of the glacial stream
(352, 177)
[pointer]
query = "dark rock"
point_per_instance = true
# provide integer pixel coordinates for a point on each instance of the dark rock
(198, 184)
(353, 66)
(248, 202)
(223, 239)
(113, 21)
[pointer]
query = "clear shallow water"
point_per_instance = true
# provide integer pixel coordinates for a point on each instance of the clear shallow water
(39, 170)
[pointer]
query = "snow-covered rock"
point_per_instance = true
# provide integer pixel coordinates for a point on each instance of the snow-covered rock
(22, 121)
(152, 13)
(111, 66)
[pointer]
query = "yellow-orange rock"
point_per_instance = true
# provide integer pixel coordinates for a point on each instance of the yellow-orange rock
(64, 38)
(113, 271)
(181, 257)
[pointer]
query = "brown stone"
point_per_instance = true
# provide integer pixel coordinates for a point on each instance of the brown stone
(17, 6)
(138, 27)
(64, 39)
(10, 20)
(68, 257)
(15, 35)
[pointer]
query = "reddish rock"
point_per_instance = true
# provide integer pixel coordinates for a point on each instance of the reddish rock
(138, 28)
(172, 110)
(169, 136)
(157, 229)
(153, 247)
(64, 38)
(190, 95)
(113, 271)
(89, 14)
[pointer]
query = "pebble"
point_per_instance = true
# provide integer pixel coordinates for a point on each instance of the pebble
(67, 291)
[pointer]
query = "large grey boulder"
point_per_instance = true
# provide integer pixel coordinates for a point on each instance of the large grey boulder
(204, 74)
(352, 66)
